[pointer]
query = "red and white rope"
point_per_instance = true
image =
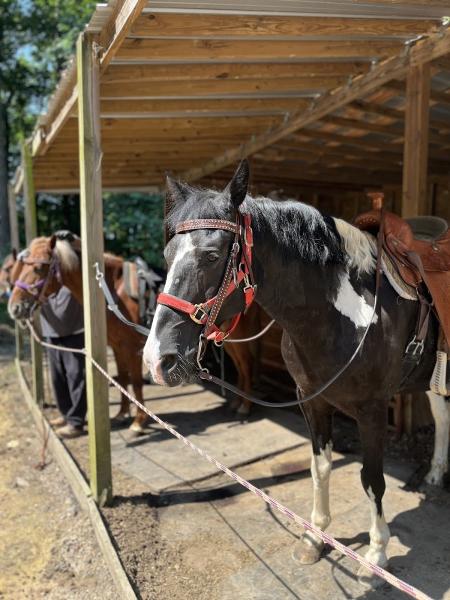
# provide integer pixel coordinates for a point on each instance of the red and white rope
(326, 538)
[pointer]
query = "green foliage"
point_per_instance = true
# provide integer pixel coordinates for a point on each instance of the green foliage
(36, 40)
(133, 223)
(134, 226)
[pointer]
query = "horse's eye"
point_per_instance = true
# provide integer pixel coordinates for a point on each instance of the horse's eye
(212, 256)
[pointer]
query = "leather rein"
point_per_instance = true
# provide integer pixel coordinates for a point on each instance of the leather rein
(206, 313)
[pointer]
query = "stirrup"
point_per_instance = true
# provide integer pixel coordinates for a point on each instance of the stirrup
(439, 384)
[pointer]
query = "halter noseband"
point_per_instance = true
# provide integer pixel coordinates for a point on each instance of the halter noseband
(238, 270)
(38, 288)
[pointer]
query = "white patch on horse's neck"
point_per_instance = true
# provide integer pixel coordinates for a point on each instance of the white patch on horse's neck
(349, 303)
(67, 256)
(152, 346)
(360, 248)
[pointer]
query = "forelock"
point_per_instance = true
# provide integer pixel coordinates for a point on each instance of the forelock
(200, 203)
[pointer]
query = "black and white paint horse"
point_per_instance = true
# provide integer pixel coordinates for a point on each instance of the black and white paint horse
(316, 276)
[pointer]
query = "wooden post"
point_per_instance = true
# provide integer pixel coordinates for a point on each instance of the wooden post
(91, 215)
(415, 157)
(30, 234)
(15, 244)
(13, 222)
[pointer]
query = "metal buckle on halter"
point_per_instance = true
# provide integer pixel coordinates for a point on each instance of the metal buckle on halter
(415, 347)
(199, 316)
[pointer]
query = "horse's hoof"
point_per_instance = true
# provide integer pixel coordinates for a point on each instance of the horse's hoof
(136, 429)
(368, 579)
(307, 552)
(120, 420)
(435, 476)
(243, 411)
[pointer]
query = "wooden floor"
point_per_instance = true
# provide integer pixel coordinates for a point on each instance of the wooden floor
(222, 527)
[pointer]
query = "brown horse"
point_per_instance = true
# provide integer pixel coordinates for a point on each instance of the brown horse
(5, 273)
(244, 356)
(126, 343)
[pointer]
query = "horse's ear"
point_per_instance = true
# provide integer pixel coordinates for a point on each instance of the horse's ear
(53, 241)
(14, 253)
(238, 186)
(176, 191)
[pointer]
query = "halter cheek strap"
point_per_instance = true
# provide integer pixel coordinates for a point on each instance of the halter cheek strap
(238, 270)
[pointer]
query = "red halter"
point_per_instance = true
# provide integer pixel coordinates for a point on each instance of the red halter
(236, 272)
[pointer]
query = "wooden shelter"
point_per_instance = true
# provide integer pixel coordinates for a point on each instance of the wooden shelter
(324, 97)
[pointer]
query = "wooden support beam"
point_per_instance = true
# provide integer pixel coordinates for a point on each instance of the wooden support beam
(394, 67)
(132, 73)
(221, 88)
(124, 14)
(30, 234)
(198, 49)
(13, 221)
(415, 161)
(271, 26)
(15, 244)
(91, 217)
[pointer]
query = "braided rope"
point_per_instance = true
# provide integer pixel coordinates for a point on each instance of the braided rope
(272, 502)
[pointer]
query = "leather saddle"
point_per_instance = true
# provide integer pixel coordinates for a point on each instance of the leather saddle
(143, 284)
(420, 250)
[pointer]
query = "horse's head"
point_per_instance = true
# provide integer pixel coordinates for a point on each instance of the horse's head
(39, 275)
(198, 260)
(5, 273)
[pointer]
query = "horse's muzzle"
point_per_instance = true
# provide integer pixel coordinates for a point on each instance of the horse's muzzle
(20, 310)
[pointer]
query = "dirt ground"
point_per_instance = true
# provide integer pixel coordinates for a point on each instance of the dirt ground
(47, 546)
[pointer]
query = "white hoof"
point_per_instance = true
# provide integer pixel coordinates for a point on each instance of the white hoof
(366, 577)
(136, 428)
(435, 475)
(307, 551)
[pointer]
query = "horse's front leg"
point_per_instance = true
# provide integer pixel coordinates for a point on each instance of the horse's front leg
(318, 415)
(135, 367)
(440, 408)
(372, 430)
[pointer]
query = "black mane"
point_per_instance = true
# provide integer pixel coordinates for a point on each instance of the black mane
(301, 230)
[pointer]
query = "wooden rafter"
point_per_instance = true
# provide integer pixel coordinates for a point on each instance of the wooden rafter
(270, 26)
(394, 67)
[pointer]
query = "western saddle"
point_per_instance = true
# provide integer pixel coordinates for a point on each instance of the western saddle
(419, 249)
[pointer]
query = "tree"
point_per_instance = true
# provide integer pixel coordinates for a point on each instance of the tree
(36, 39)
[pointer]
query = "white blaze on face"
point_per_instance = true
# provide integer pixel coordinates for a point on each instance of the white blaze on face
(152, 354)
(350, 304)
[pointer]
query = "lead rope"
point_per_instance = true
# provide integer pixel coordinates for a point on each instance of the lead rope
(272, 502)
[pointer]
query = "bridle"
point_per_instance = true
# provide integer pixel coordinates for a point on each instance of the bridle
(206, 312)
(38, 288)
(238, 270)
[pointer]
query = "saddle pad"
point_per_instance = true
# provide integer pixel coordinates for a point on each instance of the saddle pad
(130, 279)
